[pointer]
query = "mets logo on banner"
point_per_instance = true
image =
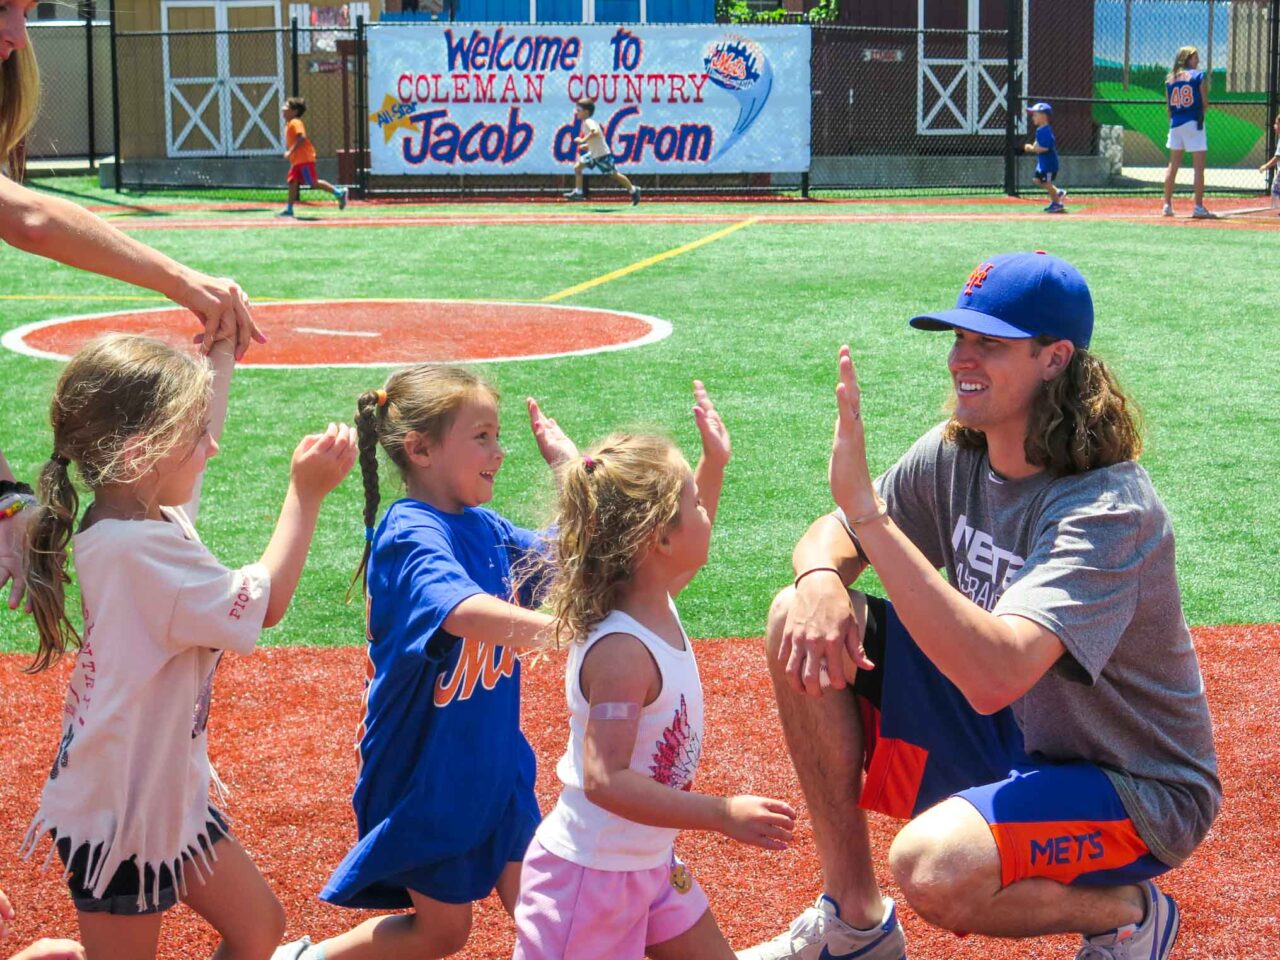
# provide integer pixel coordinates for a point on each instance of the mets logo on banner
(739, 67)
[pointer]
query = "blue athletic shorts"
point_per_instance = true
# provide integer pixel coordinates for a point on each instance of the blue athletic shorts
(1044, 176)
(603, 164)
(923, 743)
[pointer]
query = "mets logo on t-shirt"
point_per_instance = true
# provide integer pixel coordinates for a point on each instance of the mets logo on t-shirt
(478, 663)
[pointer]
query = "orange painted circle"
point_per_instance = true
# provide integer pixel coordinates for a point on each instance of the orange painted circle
(373, 332)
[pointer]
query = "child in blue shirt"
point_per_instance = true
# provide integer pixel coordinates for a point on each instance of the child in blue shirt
(1045, 147)
(444, 799)
(1186, 92)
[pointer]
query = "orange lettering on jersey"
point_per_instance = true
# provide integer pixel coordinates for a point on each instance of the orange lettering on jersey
(978, 276)
(477, 663)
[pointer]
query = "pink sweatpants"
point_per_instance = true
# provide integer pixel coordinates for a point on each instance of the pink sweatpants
(568, 912)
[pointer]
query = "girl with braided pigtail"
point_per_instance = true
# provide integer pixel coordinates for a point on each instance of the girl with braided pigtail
(444, 797)
(126, 804)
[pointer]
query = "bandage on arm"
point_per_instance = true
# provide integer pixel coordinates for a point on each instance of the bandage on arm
(614, 711)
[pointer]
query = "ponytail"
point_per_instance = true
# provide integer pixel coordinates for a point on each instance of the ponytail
(47, 575)
(369, 408)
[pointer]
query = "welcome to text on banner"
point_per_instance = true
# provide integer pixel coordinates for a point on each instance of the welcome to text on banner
(671, 99)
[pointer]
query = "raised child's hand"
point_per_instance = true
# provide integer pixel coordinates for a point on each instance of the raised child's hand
(321, 460)
(47, 949)
(759, 821)
(553, 443)
(716, 448)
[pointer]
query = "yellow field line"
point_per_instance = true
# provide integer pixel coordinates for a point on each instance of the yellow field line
(650, 261)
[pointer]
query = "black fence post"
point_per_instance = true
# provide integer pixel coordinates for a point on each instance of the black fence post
(86, 8)
(293, 48)
(1012, 102)
(115, 101)
(362, 111)
(804, 184)
(1273, 75)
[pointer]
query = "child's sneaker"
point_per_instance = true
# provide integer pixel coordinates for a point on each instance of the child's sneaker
(575, 195)
(1200, 213)
(286, 212)
(292, 951)
(1167, 211)
(635, 196)
(1150, 940)
(820, 933)
(1055, 208)
(1062, 198)
(342, 198)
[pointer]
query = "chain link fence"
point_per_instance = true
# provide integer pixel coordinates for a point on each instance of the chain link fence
(929, 98)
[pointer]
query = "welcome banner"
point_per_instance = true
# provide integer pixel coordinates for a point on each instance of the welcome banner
(671, 99)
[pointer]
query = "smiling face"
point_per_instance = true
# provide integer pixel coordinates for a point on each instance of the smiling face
(996, 379)
(459, 469)
(13, 25)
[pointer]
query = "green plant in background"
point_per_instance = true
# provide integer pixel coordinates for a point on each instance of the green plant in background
(739, 11)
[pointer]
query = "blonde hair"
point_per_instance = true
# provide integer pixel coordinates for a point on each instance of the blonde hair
(1180, 62)
(1080, 420)
(613, 503)
(121, 404)
(424, 399)
(19, 94)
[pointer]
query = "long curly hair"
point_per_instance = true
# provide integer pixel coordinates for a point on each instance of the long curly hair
(121, 404)
(614, 502)
(1080, 420)
(425, 399)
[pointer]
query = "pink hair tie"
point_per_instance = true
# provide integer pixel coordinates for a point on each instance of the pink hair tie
(589, 465)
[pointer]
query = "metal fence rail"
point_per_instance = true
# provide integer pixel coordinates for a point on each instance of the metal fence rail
(920, 105)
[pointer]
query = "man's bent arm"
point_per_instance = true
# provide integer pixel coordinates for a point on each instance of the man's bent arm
(993, 659)
(827, 544)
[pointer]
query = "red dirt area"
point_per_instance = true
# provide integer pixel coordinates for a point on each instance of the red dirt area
(382, 332)
(281, 736)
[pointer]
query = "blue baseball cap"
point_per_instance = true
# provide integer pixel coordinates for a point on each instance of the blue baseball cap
(1020, 295)
(1040, 107)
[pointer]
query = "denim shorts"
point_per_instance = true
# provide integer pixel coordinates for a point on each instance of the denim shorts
(121, 894)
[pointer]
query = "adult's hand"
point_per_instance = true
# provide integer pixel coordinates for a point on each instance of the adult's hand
(848, 473)
(13, 569)
(820, 630)
(222, 307)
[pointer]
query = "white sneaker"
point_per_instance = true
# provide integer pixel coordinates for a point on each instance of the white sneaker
(1200, 213)
(1062, 197)
(1150, 940)
(820, 934)
(1168, 210)
(293, 950)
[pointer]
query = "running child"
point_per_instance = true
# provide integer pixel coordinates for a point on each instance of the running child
(127, 800)
(1045, 148)
(601, 879)
(594, 153)
(1272, 164)
(301, 154)
(444, 797)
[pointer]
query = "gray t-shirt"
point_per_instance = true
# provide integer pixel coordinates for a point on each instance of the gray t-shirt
(1091, 558)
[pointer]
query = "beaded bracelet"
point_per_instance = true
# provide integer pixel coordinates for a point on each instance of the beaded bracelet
(15, 503)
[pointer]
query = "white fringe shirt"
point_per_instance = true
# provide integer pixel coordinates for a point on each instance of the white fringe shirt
(132, 774)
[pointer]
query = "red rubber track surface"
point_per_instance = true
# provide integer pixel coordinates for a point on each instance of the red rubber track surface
(281, 736)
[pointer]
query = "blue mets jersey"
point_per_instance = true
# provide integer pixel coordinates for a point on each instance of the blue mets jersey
(1186, 102)
(444, 796)
(1046, 162)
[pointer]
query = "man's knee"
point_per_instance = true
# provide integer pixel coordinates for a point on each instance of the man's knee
(947, 864)
(778, 611)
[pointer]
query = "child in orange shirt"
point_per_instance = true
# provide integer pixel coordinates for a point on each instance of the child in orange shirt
(302, 157)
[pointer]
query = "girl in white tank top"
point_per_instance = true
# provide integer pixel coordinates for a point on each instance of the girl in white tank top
(601, 879)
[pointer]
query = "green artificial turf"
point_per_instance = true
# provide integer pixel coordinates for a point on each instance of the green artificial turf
(1183, 316)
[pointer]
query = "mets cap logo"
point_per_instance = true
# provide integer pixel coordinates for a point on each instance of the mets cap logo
(978, 276)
